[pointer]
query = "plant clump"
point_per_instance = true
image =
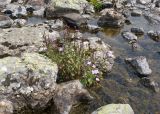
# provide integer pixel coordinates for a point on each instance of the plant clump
(97, 4)
(74, 62)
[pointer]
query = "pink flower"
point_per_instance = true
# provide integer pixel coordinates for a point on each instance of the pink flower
(95, 71)
(93, 66)
(89, 63)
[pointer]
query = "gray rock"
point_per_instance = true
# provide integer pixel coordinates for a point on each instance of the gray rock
(55, 24)
(129, 36)
(114, 109)
(111, 18)
(61, 7)
(155, 35)
(75, 20)
(4, 2)
(137, 31)
(66, 96)
(140, 64)
(136, 13)
(17, 40)
(5, 22)
(39, 12)
(157, 3)
(144, 1)
(15, 10)
(6, 107)
(32, 76)
(20, 22)
(150, 83)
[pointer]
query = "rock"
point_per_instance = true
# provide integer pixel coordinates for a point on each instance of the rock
(157, 3)
(39, 12)
(4, 2)
(18, 40)
(75, 20)
(107, 4)
(111, 18)
(151, 17)
(103, 55)
(144, 1)
(5, 22)
(60, 7)
(69, 94)
(20, 22)
(137, 31)
(129, 36)
(154, 35)
(136, 13)
(150, 83)
(6, 107)
(15, 11)
(92, 26)
(55, 24)
(32, 76)
(140, 64)
(114, 109)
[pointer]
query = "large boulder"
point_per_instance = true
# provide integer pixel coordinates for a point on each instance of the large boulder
(5, 22)
(4, 2)
(13, 41)
(111, 18)
(68, 94)
(27, 82)
(60, 7)
(114, 109)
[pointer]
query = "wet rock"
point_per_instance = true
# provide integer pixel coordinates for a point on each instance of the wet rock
(15, 11)
(140, 64)
(5, 22)
(157, 3)
(144, 1)
(18, 40)
(60, 7)
(137, 31)
(136, 13)
(129, 36)
(111, 18)
(32, 76)
(150, 83)
(155, 35)
(107, 4)
(75, 20)
(93, 27)
(114, 108)
(151, 17)
(20, 22)
(69, 94)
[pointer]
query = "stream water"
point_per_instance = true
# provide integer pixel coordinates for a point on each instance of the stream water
(122, 84)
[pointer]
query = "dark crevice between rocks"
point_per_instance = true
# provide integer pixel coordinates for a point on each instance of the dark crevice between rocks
(4, 55)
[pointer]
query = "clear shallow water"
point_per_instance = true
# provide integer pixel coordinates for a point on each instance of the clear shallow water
(122, 84)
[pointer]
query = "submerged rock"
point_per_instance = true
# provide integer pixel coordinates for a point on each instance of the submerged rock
(114, 109)
(155, 35)
(140, 64)
(136, 13)
(138, 31)
(150, 83)
(111, 18)
(5, 22)
(129, 36)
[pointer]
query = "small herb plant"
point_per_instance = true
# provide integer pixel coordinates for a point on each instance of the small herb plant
(74, 62)
(97, 4)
